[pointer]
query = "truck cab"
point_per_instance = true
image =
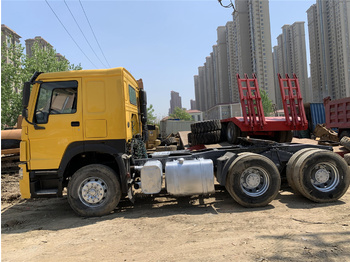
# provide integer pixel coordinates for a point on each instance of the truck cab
(77, 118)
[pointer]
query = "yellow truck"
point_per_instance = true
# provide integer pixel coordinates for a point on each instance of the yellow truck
(86, 131)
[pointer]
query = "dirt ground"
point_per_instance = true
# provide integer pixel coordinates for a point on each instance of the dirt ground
(163, 228)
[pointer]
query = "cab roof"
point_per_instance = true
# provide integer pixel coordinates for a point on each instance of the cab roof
(81, 73)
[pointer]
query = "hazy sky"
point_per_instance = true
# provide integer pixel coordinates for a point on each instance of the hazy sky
(162, 42)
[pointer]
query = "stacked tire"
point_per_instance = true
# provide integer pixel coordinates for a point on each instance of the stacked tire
(205, 132)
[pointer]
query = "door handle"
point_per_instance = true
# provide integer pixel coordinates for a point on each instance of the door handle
(75, 123)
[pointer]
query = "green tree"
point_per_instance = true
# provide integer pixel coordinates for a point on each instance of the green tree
(12, 79)
(151, 118)
(20, 69)
(181, 114)
(266, 103)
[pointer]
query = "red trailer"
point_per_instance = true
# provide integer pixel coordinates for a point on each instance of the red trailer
(253, 123)
(338, 115)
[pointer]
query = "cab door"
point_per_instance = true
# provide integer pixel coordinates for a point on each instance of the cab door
(57, 118)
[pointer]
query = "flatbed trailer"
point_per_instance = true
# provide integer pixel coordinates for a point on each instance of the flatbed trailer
(253, 123)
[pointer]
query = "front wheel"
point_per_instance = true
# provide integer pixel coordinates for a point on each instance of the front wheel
(253, 180)
(94, 190)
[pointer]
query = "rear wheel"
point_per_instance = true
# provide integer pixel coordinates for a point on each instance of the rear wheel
(94, 190)
(232, 133)
(321, 176)
(291, 166)
(253, 180)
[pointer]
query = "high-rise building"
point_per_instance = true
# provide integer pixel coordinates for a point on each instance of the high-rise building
(209, 74)
(193, 104)
(222, 67)
(277, 67)
(329, 36)
(233, 63)
(290, 58)
(199, 91)
(216, 76)
(175, 101)
(8, 38)
(252, 21)
(243, 46)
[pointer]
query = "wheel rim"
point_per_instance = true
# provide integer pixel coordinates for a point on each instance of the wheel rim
(93, 191)
(254, 181)
(325, 177)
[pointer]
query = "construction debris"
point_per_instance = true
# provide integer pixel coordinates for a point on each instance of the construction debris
(327, 136)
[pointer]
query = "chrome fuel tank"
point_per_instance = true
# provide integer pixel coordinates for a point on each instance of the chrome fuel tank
(189, 177)
(151, 177)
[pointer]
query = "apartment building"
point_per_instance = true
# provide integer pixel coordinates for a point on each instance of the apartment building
(209, 73)
(42, 44)
(10, 38)
(222, 67)
(290, 58)
(243, 46)
(175, 101)
(193, 104)
(233, 61)
(254, 42)
(329, 36)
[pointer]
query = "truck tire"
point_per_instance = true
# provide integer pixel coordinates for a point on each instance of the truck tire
(289, 136)
(211, 137)
(283, 136)
(321, 176)
(94, 190)
(232, 133)
(291, 166)
(345, 142)
(194, 128)
(189, 138)
(205, 126)
(253, 180)
(347, 158)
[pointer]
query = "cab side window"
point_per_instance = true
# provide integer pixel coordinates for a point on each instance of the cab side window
(56, 98)
(132, 95)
